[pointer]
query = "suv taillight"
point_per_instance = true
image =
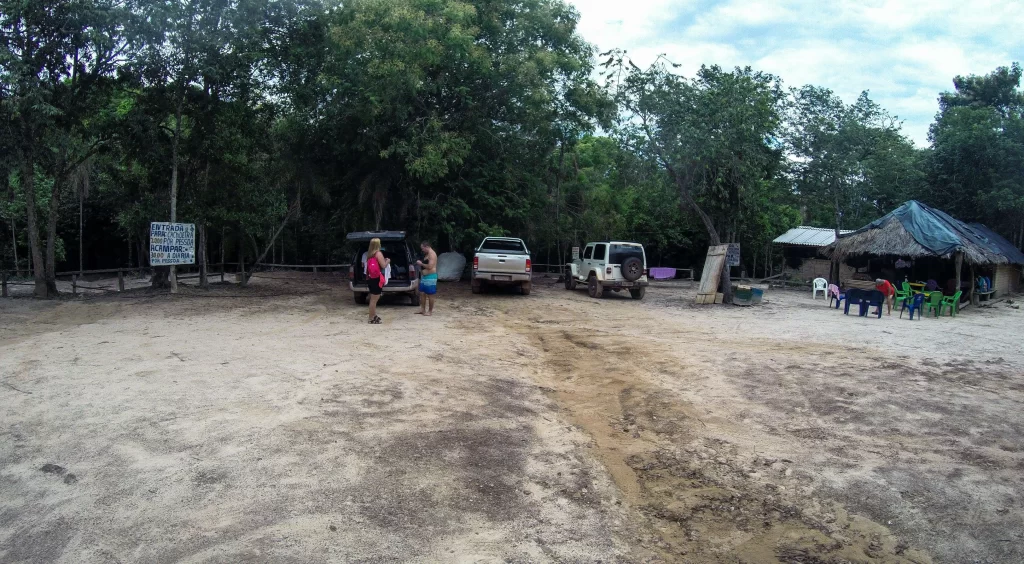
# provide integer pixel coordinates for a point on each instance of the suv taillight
(529, 265)
(647, 272)
(608, 270)
(351, 273)
(476, 263)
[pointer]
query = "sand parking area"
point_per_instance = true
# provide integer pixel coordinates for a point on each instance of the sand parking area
(273, 424)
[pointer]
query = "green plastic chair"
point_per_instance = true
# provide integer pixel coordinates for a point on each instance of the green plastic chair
(952, 302)
(904, 295)
(934, 302)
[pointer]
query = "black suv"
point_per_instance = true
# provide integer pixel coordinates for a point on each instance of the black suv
(404, 278)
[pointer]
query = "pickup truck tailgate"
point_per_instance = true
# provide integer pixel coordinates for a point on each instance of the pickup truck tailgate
(496, 262)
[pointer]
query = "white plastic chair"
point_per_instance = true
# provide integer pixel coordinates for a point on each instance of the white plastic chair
(820, 285)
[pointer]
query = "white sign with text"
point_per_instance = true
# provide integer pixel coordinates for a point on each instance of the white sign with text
(172, 243)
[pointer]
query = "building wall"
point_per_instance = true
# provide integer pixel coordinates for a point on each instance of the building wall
(819, 268)
(1006, 280)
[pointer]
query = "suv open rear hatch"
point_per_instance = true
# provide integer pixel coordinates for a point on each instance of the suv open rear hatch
(366, 236)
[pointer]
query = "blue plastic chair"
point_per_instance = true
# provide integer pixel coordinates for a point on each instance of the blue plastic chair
(853, 296)
(872, 298)
(835, 294)
(916, 304)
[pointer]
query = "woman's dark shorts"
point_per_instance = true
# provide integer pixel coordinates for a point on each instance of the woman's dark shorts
(374, 286)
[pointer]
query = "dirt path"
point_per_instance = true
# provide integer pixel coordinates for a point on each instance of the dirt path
(274, 424)
(733, 439)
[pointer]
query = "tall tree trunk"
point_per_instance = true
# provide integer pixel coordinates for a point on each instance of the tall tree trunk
(143, 254)
(28, 184)
(173, 275)
(1020, 234)
(241, 258)
(81, 231)
(203, 280)
(14, 245)
(687, 199)
(51, 239)
(834, 265)
(558, 208)
(294, 210)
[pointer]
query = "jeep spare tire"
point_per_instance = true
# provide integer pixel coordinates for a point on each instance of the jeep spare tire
(632, 269)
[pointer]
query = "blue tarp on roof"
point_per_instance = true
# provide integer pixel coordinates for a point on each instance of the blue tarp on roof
(1013, 254)
(942, 234)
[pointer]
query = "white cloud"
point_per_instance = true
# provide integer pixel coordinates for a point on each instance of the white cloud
(905, 52)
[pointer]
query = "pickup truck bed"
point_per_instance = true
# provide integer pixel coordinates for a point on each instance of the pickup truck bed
(502, 261)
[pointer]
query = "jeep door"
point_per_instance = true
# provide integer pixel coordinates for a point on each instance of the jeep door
(600, 255)
(588, 263)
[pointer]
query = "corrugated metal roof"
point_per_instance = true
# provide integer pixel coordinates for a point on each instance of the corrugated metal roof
(808, 236)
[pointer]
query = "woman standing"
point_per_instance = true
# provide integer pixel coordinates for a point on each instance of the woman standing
(375, 265)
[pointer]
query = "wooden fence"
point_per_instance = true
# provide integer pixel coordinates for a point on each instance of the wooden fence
(191, 272)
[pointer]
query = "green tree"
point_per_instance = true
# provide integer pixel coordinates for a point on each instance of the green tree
(977, 159)
(56, 58)
(715, 134)
(612, 193)
(445, 113)
(850, 163)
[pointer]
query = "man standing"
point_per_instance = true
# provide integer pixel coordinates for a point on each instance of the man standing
(428, 278)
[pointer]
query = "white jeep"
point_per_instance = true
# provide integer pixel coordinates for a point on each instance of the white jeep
(613, 265)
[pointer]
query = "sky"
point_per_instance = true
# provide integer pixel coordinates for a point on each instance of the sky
(903, 52)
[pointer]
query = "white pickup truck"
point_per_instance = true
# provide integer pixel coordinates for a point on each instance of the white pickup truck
(609, 265)
(502, 261)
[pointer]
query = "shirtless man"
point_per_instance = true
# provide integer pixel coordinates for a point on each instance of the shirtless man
(428, 278)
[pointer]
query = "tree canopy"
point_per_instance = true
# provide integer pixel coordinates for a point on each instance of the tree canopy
(276, 127)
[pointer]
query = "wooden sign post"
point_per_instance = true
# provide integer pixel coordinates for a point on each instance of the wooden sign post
(712, 275)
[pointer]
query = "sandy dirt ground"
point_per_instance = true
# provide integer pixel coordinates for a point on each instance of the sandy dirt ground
(272, 424)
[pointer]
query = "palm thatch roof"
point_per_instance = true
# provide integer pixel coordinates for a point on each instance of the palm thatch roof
(915, 230)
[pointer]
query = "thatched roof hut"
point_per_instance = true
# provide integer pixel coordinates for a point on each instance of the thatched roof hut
(915, 230)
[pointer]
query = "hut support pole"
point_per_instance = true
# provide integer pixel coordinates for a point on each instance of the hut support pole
(959, 267)
(974, 295)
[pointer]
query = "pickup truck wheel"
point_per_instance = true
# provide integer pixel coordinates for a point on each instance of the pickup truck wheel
(632, 269)
(414, 299)
(525, 288)
(638, 293)
(477, 286)
(359, 297)
(594, 287)
(570, 281)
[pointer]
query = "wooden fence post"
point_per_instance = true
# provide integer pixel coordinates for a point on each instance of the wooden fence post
(74, 284)
(222, 271)
(314, 273)
(120, 280)
(3, 284)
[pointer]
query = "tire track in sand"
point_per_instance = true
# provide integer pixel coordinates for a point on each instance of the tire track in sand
(683, 507)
